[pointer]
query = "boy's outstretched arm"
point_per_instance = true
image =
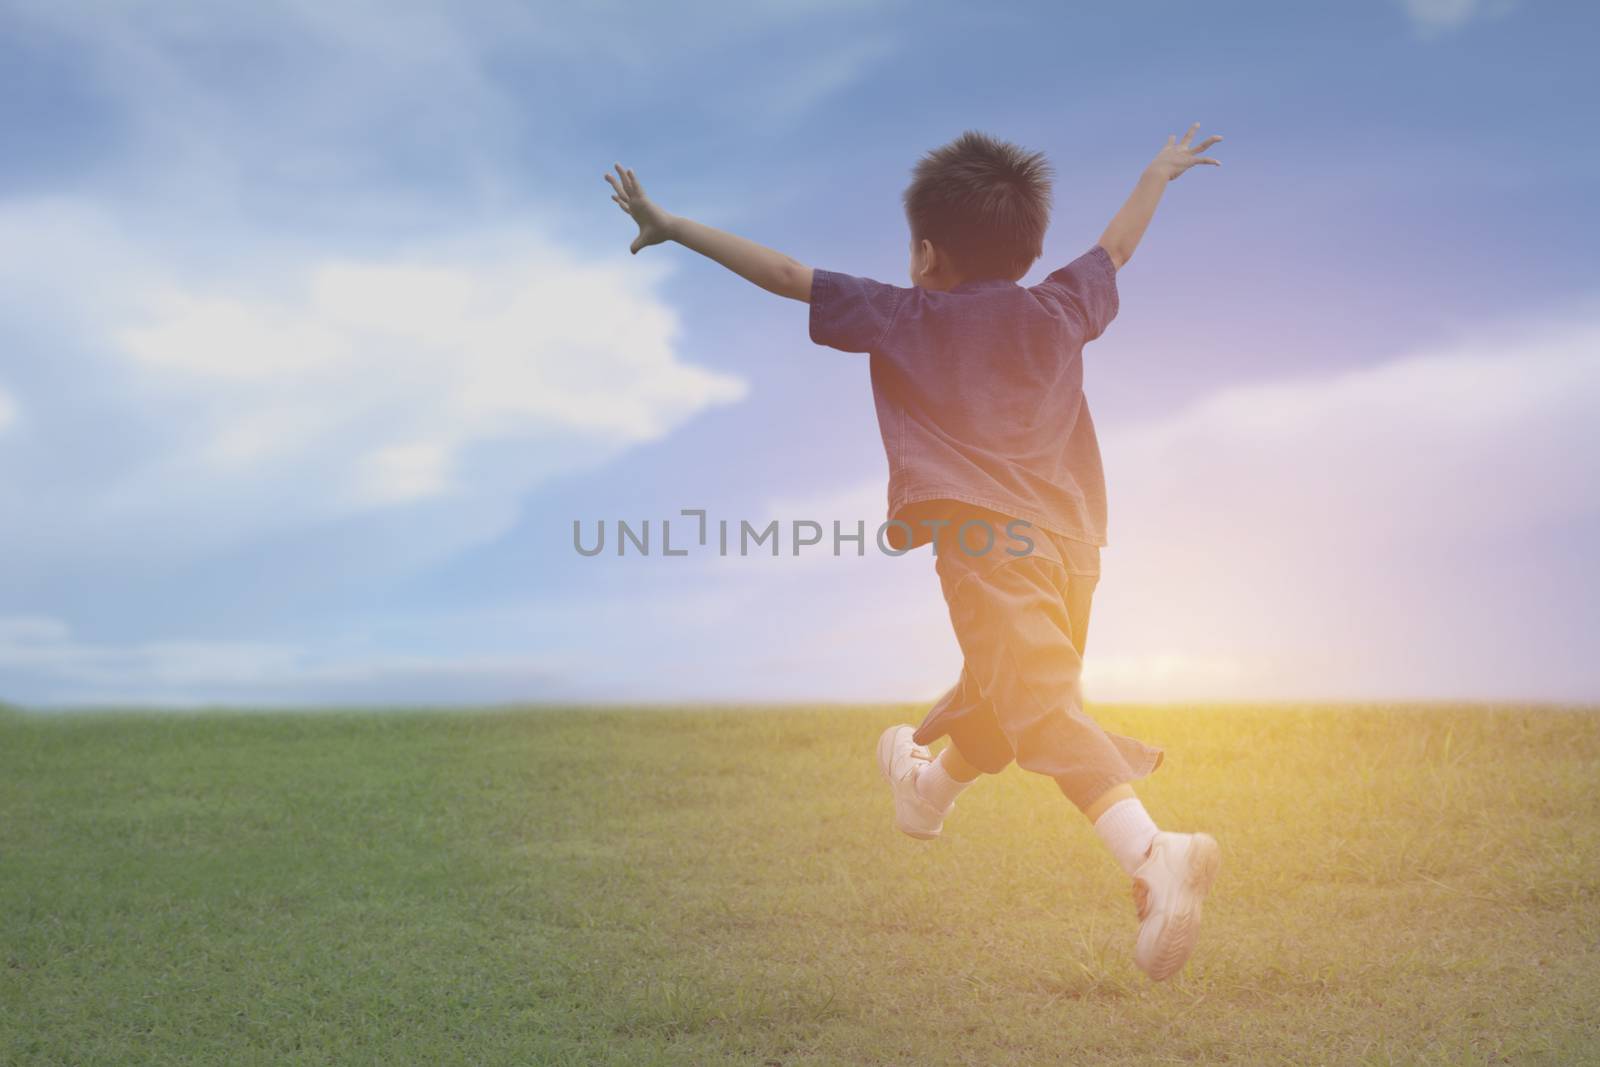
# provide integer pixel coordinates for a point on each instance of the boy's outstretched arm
(1127, 228)
(773, 271)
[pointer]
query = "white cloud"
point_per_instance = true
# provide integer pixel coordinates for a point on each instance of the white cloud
(403, 472)
(283, 360)
(19, 630)
(431, 83)
(1433, 16)
(819, 77)
(46, 653)
(230, 338)
(8, 410)
(1409, 447)
(457, 372)
(382, 374)
(1308, 537)
(47, 646)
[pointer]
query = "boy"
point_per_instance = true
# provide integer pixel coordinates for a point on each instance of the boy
(978, 385)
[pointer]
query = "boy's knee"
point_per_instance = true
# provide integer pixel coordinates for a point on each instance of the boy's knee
(983, 758)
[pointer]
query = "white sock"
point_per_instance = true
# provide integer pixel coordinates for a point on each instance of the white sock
(1127, 830)
(935, 785)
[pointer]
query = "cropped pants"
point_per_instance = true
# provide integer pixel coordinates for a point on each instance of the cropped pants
(1022, 622)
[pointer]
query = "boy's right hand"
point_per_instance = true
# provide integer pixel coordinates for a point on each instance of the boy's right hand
(1179, 156)
(654, 224)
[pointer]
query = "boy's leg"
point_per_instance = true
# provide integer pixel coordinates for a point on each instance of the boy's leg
(1124, 827)
(940, 782)
(976, 746)
(1119, 817)
(956, 765)
(1014, 622)
(1016, 626)
(1109, 797)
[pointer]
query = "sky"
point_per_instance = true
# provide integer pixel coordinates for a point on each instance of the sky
(319, 333)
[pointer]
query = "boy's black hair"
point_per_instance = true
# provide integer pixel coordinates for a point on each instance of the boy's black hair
(984, 201)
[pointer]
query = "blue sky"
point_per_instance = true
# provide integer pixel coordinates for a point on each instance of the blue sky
(318, 331)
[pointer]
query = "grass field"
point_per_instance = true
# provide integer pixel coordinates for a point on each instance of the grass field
(1412, 885)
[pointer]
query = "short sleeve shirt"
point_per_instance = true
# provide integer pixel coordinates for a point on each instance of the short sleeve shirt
(979, 389)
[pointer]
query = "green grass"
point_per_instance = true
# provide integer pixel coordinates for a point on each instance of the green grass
(1414, 885)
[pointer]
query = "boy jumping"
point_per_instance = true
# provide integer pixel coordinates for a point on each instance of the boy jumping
(978, 385)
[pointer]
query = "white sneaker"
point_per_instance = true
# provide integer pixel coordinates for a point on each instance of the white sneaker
(900, 759)
(1168, 888)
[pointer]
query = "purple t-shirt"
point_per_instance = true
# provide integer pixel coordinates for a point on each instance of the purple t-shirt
(979, 390)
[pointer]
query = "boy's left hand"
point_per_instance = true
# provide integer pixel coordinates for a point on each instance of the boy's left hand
(655, 225)
(1179, 156)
